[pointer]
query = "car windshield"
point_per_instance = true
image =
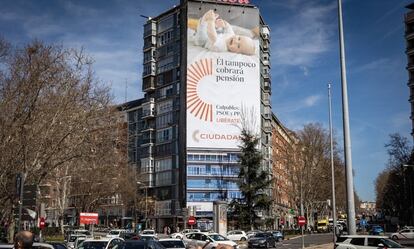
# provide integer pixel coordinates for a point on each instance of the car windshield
(114, 232)
(172, 244)
(148, 232)
(93, 245)
(261, 235)
(218, 237)
(391, 244)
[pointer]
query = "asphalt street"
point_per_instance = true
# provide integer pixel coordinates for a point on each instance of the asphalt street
(296, 243)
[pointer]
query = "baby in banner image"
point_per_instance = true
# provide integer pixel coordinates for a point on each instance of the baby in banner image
(216, 34)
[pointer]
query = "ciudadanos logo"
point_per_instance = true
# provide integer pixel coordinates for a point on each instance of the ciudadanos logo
(195, 105)
(210, 136)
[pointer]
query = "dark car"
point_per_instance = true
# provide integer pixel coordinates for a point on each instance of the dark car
(143, 244)
(262, 240)
(128, 235)
(278, 235)
(376, 230)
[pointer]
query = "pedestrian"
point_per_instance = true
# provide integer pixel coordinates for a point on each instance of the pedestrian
(23, 240)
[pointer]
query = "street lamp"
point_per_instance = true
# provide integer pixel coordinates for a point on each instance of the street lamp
(146, 202)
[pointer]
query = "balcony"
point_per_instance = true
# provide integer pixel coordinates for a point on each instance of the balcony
(410, 51)
(150, 29)
(148, 83)
(148, 109)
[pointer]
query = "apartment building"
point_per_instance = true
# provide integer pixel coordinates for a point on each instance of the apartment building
(183, 134)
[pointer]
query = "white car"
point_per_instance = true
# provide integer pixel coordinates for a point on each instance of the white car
(185, 231)
(149, 232)
(172, 243)
(207, 240)
(115, 233)
(403, 234)
(237, 235)
(102, 243)
(365, 242)
(72, 239)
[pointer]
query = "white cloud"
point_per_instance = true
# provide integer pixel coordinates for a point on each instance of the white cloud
(311, 100)
(293, 106)
(303, 37)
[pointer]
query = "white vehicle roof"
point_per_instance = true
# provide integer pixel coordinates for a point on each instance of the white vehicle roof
(169, 239)
(365, 236)
(100, 239)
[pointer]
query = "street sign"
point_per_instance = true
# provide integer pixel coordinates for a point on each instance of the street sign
(88, 218)
(192, 220)
(42, 223)
(301, 220)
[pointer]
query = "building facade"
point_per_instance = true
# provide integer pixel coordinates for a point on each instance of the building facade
(409, 36)
(183, 134)
(282, 166)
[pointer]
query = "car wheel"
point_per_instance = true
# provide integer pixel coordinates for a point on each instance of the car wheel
(243, 239)
(394, 237)
(279, 239)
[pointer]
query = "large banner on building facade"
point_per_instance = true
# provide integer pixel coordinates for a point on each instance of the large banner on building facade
(223, 73)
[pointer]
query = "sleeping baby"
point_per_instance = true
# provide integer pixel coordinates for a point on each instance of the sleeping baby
(217, 35)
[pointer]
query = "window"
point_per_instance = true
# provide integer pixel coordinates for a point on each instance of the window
(164, 120)
(166, 64)
(166, 91)
(373, 242)
(164, 164)
(165, 106)
(166, 23)
(163, 178)
(358, 241)
(165, 37)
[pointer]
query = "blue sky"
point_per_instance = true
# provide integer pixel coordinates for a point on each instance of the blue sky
(304, 58)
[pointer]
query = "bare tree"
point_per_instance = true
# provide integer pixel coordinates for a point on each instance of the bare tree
(54, 115)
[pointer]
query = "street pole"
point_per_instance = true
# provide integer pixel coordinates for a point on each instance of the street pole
(332, 165)
(23, 179)
(347, 137)
(301, 207)
(146, 207)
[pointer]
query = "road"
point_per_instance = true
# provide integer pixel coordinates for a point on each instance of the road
(296, 243)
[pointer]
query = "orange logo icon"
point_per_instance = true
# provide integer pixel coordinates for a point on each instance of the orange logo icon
(195, 72)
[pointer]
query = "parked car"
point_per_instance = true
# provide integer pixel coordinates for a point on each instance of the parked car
(237, 235)
(37, 245)
(263, 239)
(116, 233)
(403, 234)
(147, 237)
(72, 240)
(185, 231)
(207, 240)
(128, 235)
(102, 243)
(78, 241)
(365, 242)
(376, 230)
(149, 232)
(252, 233)
(278, 235)
(172, 243)
(139, 244)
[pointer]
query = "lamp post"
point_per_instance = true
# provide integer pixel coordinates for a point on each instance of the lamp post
(146, 202)
(332, 165)
(347, 135)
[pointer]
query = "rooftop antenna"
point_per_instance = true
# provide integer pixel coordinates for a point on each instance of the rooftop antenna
(146, 17)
